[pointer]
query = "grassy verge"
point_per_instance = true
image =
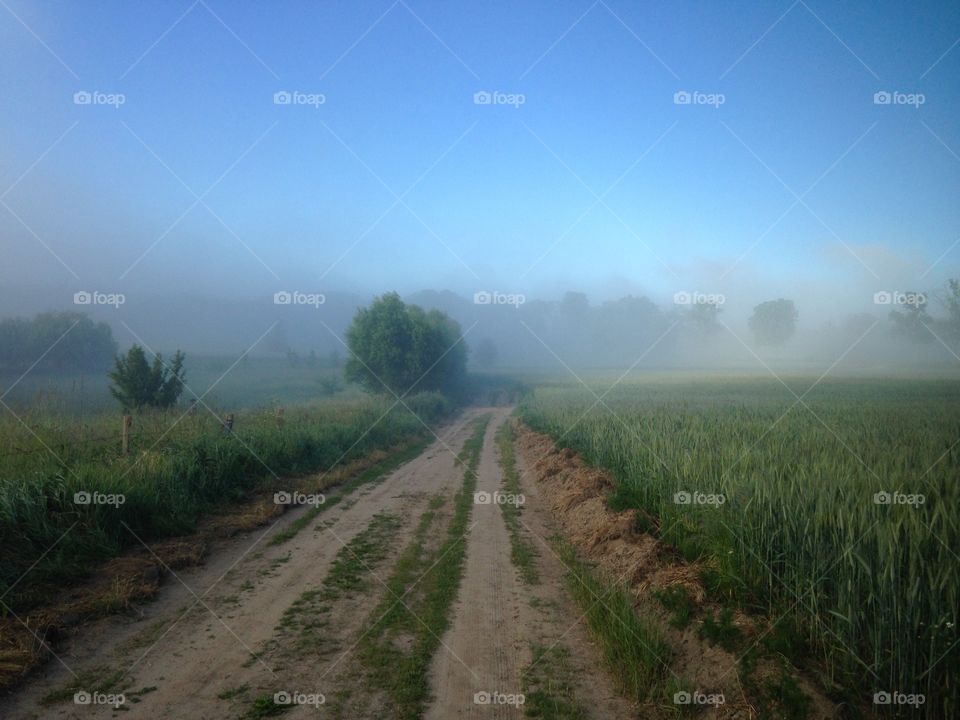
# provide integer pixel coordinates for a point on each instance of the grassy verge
(181, 468)
(368, 477)
(522, 552)
(548, 688)
(398, 646)
(633, 649)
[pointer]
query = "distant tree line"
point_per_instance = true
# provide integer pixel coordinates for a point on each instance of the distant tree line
(56, 342)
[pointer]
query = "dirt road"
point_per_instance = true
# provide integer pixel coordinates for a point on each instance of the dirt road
(259, 623)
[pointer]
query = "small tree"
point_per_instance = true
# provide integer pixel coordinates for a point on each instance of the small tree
(773, 322)
(138, 384)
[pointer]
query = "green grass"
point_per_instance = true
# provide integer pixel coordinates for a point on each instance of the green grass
(633, 649)
(872, 589)
(398, 644)
(548, 687)
(169, 481)
(303, 627)
(523, 554)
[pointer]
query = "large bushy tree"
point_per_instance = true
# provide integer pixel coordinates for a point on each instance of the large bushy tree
(401, 348)
(773, 322)
(61, 342)
(138, 383)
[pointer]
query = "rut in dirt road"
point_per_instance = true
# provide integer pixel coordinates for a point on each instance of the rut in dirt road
(517, 643)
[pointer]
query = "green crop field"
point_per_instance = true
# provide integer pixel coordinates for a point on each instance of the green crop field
(840, 507)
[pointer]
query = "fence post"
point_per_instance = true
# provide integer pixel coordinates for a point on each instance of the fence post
(125, 441)
(280, 420)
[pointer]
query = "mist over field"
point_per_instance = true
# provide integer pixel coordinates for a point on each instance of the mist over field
(421, 359)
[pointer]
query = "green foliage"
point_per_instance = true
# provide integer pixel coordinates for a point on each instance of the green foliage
(912, 320)
(55, 342)
(169, 486)
(677, 600)
(721, 630)
(773, 322)
(139, 384)
(401, 348)
(800, 517)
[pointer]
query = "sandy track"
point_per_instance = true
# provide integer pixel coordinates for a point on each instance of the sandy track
(484, 649)
(200, 665)
(192, 657)
(498, 618)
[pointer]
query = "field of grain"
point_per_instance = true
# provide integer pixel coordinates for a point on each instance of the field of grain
(832, 508)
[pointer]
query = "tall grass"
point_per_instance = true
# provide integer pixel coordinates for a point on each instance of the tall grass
(169, 479)
(875, 588)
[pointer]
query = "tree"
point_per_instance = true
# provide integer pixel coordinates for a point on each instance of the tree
(55, 342)
(952, 303)
(773, 322)
(486, 353)
(913, 321)
(704, 316)
(139, 384)
(400, 348)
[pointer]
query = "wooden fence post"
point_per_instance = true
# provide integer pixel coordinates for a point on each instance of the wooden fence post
(125, 441)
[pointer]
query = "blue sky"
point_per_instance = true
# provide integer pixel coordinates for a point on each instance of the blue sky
(503, 196)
